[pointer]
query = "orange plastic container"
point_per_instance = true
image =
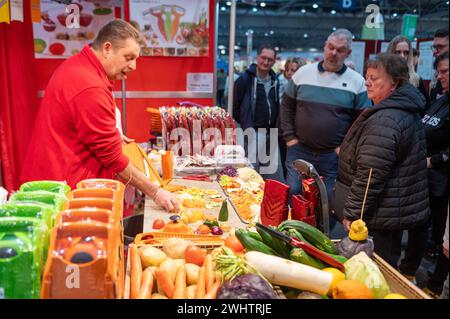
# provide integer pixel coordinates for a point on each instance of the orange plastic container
(92, 193)
(102, 183)
(80, 263)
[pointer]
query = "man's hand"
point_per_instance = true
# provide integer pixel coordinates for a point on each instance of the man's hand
(292, 142)
(166, 200)
(445, 251)
(337, 150)
(346, 223)
(127, 140)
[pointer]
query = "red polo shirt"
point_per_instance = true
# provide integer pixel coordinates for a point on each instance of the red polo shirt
(75, 135)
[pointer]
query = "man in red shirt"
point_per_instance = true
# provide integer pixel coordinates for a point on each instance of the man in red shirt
(75, 135)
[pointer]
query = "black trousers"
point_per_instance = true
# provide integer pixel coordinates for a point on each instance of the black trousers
(388, 245)
(417, 239)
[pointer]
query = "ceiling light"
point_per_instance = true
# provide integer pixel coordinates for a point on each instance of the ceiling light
(277, 49)
(333, 11)
(223, 51)
(228, 3)
(394, 15)
(266, 34)
(299, 49)
(223, 8)
(221, 47)
(334, 28)
(262, 4)
(315, 6)
(313, 50)
(271, 32)
(255, 9)
(236, 47)
(305, 35)
(303, 11)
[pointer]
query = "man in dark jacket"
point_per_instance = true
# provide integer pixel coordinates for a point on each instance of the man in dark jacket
(256, 105)
(388, 138)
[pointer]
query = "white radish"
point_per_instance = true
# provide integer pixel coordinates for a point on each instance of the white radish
(284, 272)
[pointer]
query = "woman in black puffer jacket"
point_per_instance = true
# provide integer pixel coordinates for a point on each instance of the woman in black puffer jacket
(389, 138)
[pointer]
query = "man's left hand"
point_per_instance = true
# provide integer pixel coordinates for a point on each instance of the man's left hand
(346, 223)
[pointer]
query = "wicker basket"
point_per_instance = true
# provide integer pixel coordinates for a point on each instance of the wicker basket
(158, 238)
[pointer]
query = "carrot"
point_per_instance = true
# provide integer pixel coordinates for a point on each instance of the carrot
(180, 284)
(136, 271)
(212, 293)
(145, 292)
(164, 282)
(200, 290)
(209, 272)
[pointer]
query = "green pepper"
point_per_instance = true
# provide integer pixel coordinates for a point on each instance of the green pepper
(211, 223)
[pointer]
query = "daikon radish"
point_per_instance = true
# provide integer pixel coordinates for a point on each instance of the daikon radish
(283, 272)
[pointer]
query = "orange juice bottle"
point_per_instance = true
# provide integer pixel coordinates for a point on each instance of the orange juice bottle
(167, 165)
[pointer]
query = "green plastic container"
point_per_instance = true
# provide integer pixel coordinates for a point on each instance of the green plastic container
(46, 197)
(21, 248)
(60, 188)
(37, 210)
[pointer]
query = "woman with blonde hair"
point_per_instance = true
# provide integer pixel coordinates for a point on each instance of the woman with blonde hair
(402, 46)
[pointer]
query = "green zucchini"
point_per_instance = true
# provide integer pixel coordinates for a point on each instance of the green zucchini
(254, 235)
(311, 234)
(300, 256)
(276, 244)
(252, 244)
(339, 258)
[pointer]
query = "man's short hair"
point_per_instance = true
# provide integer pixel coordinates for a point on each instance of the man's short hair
(441, 33)
(266, 47)
(116, 32)
(343, 33)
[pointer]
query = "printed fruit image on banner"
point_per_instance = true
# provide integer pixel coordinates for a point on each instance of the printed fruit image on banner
(172, 27)
(65, 29)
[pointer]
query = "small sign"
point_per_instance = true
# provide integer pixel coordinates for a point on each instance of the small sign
(2, 293)
(409, 25)
(347, 4)
(200, 82)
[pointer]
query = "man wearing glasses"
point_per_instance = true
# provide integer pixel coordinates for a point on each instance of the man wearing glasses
(255, 105)
(440, 46)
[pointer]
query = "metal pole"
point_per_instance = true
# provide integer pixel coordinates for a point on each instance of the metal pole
(124, 88)
(231, 56)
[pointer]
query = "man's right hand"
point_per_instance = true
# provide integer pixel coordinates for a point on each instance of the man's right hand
(166, 200)
(292, 142)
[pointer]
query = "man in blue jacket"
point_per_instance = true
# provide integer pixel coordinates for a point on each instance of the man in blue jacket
(256, 105)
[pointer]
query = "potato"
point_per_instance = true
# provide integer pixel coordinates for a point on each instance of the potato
(179, 262)
(192, 273)
(175, 247)
(151, 256)
(190, 291)
(159, 296)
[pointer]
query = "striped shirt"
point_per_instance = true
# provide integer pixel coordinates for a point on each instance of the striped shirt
(318, 107)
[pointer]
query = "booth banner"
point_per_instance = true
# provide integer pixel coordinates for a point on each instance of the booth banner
(172, 27)
(425, 66)
(17, 10)
(4, 11)
(65, 29)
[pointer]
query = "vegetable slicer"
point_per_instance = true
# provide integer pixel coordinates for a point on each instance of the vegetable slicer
(306, 168)
(274, 206)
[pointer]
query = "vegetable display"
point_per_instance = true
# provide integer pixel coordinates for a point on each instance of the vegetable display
(248, 286)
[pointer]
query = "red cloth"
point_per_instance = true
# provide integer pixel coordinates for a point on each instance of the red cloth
(75, 135)
(18, 97)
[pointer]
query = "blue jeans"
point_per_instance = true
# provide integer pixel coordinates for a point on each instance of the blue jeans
(326, 165)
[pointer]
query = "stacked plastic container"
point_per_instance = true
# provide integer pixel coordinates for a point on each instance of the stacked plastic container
(25, 223)
(86, 247)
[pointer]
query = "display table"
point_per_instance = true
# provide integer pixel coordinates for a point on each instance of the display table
(153, 211)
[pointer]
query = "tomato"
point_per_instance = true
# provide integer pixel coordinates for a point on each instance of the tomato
(203, 230)
(158, 224)
(194, 255)
(234, 244)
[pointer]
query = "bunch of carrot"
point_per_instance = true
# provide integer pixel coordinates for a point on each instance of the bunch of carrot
(141, 283)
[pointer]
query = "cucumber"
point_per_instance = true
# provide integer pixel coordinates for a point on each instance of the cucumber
(252, 244)
(276, 244)
(311, 234)
(254, 235)
(300, 256)
(339, 258)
